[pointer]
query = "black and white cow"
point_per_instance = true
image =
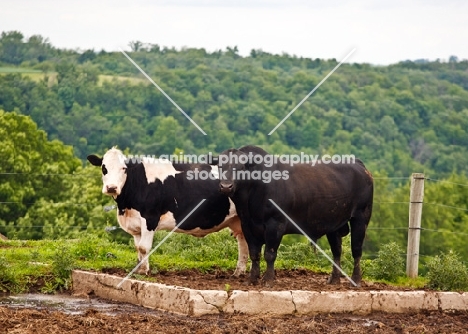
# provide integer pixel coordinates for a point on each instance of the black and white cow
(153, 195)
(325, 199)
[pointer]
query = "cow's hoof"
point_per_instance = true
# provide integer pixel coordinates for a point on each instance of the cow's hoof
(269, 283)
(251, 282)
(333, 280)
(142, 271)
(268, 280)
(238, 273)
(357, 281)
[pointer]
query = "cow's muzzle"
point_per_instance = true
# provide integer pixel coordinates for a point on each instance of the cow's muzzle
(111, 189)
(226, 187)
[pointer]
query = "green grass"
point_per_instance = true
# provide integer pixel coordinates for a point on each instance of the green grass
(34, 75)
(18, 70)
(26, 265)
(132, 80)
(37, 75)
(46, 265)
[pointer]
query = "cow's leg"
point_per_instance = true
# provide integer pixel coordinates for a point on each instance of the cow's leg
(144, 266)
(334, 239)
(273, 236)
(243, 255)
(255, 249)
(358, 233)
(234, 224)
(132, 223)
(136, 240)
(144, 248)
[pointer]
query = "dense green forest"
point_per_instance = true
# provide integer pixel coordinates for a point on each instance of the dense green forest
(58, 106)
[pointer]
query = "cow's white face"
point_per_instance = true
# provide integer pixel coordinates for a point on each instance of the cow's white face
(114, 171)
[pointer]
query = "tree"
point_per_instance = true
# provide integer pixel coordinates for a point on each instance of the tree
(397, 118)
(38, 48)
(168, 134)
(32, 168)
(12, 48)
(135, 45)
(88, 55)
(81, 209)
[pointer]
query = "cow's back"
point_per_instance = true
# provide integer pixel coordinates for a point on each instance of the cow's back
(189, 192)
(321, 198)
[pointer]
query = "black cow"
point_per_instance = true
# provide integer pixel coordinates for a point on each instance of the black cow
(163, 194)
(325, 199)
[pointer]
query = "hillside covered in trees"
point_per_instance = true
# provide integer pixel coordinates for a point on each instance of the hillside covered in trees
(399, 119)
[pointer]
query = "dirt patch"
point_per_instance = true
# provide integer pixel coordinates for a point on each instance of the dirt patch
(47, 321)
(300, 279)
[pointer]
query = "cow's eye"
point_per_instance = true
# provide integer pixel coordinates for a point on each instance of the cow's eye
(124, 169)
(104, 170)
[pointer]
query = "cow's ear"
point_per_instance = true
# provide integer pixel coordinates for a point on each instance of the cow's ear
(213, 160)
(94, 160)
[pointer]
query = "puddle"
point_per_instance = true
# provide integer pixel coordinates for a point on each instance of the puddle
(69, 304)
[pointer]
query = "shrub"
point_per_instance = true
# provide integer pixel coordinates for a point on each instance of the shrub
(88, 247)
(389, 264)
(62, 266)
(5, 274)
(298, 255)
(446, 272)
(10, 280)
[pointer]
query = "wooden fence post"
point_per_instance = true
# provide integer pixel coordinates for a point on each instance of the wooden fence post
(414, 229)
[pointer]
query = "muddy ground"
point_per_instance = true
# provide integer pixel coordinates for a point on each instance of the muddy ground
(154, 322)
(125, 319)
(299, 279)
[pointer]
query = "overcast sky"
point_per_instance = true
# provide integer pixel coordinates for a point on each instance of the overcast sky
(382, 32)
